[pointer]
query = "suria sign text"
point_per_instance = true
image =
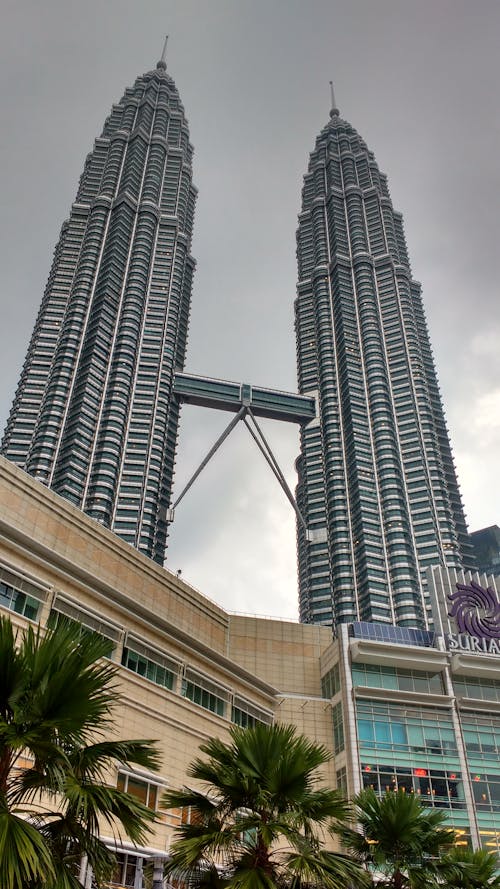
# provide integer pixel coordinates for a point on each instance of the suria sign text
(474, 644)
(476, 612)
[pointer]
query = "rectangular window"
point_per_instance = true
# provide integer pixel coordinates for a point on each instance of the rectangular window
(338, 728)
(435, 787)
(84, 621)
(126, 870)
(247, 715)
(145, 791)
(407, 735)
(378, 676)
(342, 781)
(18, 602)
(151, 664)
(200, 690)
(330, 683)
(19, 595)
(477, 687)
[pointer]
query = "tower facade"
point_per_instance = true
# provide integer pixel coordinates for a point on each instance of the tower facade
(377, 484)
(93, 416)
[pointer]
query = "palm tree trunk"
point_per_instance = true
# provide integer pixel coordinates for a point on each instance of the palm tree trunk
(262, 857)
(5, 764)
(398, 879)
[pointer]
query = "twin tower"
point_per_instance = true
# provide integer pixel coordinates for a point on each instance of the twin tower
(96, 411)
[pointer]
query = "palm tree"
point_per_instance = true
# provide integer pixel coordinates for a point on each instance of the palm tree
(259, 824)
(57, 692)
(465, 869)
(398, 838)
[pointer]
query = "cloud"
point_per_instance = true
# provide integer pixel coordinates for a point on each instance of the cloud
(486, 416)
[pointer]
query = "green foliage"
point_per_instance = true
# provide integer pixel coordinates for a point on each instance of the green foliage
(399, 838)
(464, 869)
(263, 817)
(56, 698)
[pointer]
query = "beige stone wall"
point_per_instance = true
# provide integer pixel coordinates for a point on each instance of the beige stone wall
(288, 656)
(285, 654)
(329, 656)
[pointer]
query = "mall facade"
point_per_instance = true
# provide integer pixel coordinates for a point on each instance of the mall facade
(397, 707)
(420, 710)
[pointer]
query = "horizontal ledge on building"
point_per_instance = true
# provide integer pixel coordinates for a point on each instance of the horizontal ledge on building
(478, 704)
(486, 666)
(402, 697)
(313, 699)
(412, 656)
(123, 845)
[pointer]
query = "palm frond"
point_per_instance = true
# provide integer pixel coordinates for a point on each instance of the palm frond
(463, 868)
(179, 799)
(54, 707)
(70, 690)
(68, 840)
(250, 876)
(93, 760)
(397, 835)
(89, 803)
(262, 790)
(203, 876)
(24, 855)
(313, 868)
(195, 844)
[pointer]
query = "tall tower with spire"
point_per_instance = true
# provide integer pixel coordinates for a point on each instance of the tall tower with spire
(377, 484)
(93, 415)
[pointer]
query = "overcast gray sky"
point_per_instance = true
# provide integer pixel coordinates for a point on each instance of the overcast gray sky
(419, 80)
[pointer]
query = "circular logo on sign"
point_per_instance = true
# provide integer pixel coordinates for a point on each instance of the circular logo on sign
(476, 610)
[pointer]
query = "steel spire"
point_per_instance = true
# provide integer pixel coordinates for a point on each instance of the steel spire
(334, 111)
(162, 63)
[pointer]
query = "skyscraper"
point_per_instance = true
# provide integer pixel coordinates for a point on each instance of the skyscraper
(93, 416)
(486, 545)
(377, 484)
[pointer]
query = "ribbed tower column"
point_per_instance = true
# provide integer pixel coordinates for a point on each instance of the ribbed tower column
(377, 483)
(93, 416)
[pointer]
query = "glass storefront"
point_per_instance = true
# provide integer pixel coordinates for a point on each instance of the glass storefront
(482, 746)
(402, 746)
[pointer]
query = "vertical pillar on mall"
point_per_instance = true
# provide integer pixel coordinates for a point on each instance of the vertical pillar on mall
(158, 864)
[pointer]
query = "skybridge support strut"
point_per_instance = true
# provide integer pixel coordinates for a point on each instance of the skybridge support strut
(227, 431)
(245, 414)
(265, 449)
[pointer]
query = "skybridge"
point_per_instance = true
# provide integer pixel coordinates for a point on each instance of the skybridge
(247, 403)
(227, 396)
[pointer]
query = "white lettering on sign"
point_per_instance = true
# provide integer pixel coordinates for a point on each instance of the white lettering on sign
(473, 644)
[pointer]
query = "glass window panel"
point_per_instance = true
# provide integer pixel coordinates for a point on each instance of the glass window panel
(406, 683)
(338, 728)
(365, 730)
(152, 796)
(416, 736)
(149, 668)
(399, 733)
(382, 733)
(139, 789)
(405, 782)
(481, 794)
